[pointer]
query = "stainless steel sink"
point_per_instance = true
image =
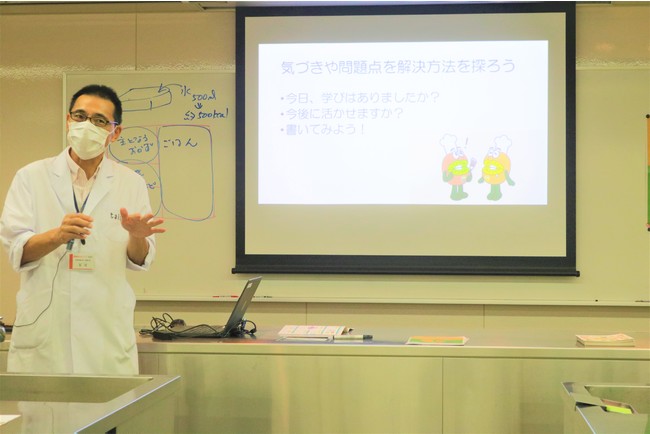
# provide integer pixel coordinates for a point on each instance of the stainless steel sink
(595, 408)
(638, 396)
(87, 404)
(66, 388)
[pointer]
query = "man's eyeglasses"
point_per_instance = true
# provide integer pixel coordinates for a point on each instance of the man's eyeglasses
(96, 120)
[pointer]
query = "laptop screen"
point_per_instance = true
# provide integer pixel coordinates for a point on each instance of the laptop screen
(244, 300)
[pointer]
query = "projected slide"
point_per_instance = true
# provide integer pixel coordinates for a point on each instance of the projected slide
(417, 139)
(429, 123)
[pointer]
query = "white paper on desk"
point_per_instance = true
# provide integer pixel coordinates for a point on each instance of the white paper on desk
(306, 339)
(4, 418)
(310, 331)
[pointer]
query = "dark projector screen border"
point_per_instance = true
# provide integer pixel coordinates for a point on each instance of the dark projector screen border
(301, 210)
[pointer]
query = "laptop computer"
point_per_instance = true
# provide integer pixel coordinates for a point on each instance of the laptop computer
(232, 328)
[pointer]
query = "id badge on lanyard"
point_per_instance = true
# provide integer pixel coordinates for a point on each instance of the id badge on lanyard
(80, 262)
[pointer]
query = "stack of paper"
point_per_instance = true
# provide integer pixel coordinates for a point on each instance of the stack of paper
(5, 418)
(615, 340)
(312, 331)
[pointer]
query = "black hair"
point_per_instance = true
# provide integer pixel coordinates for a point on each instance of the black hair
(101, 91)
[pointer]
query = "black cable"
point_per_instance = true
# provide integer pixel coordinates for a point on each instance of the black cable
(242, 327)
(159, 323)
(51, 295)
(167, 323)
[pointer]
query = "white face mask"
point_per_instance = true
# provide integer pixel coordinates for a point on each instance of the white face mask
(87, 140)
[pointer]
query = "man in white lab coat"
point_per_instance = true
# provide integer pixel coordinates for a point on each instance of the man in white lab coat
(72, 225)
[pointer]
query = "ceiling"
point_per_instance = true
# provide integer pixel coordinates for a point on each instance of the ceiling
(71, 6)
(126, 5)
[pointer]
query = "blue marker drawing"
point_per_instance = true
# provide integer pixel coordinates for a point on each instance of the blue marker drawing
(146, 98)
(174, 159)
(163, 155)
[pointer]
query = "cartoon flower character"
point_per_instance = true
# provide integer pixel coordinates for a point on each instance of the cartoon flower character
(496, 167)
(455, 169)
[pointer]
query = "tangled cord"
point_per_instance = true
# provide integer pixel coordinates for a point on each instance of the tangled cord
(167, 322)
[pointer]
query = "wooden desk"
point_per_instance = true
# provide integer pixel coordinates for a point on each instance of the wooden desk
(500, 382)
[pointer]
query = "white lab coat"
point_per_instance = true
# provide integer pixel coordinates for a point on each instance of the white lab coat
(73, 321)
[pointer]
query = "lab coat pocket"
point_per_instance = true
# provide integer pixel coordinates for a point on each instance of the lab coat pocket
(32, 327)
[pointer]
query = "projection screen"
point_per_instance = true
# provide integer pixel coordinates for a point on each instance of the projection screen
(413, 139)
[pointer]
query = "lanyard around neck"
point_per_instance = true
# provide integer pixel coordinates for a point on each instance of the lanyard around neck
(83, 205)
(76, 206)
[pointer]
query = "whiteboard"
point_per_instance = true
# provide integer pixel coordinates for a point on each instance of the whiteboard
(179, 134)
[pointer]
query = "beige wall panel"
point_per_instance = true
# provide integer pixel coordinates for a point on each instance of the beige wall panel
(383, 315)
(49, 44)
(32, 123)
(611, 197)
(582, 319)
(35, 51)
(186, 41)
(604, 33)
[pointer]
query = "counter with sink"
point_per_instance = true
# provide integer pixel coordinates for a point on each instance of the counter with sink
(606, 408)
(87, 404)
